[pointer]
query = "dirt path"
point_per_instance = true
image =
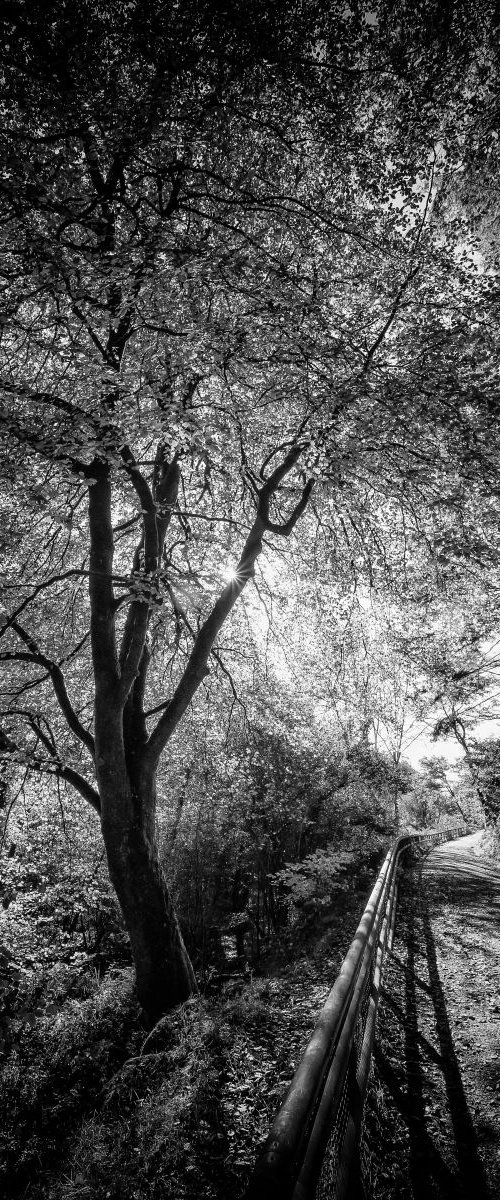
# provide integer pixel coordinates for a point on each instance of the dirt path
(433, 1114)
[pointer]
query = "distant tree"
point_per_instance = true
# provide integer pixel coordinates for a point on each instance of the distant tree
(434, 797)
(484, 763)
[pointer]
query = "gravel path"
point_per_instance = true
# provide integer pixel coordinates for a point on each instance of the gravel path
(433, 1114)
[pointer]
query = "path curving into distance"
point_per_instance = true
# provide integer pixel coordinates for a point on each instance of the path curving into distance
(433, 1112)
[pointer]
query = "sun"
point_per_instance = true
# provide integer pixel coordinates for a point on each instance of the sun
(229, 574)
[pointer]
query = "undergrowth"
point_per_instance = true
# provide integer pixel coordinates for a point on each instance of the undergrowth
(95, 1107)
(59, 1050)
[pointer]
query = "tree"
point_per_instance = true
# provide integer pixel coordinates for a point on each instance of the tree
(212, 301)
(436, 798)
(483, 765)
(154, 215)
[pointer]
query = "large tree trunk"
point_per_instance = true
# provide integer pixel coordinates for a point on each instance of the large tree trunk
(126, 756)
(164, 974)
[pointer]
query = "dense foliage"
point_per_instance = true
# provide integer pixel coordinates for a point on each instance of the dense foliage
(249, 317)
(250, 463)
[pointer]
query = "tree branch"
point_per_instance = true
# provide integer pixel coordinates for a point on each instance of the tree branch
(392, 316)
(53, 669)
(286, 528)
(52, 766)
(45, 583)
(197, 668)
(156, 507)
(47, 447)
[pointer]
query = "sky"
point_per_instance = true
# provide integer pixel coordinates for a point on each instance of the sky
(424, 747)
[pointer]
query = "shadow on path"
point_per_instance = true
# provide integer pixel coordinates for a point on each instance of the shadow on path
(434, 1142)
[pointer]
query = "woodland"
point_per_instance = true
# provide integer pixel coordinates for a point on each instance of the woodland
(250, 540)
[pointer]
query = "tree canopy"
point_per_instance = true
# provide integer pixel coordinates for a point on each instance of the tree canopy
(247, 317)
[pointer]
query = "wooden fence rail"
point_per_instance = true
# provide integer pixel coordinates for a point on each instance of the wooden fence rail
(311, 1152)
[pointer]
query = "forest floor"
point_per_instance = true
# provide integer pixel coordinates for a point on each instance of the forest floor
(433, 1114)
(96, 1107)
